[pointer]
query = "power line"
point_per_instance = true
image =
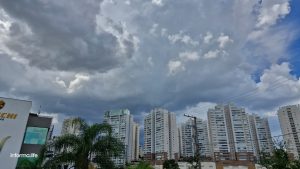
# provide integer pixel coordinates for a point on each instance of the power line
(265, 139)
(251, 93)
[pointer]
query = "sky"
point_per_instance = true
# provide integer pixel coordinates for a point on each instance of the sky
(82, 58)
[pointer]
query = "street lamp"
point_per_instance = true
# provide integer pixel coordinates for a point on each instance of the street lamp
(197, 147)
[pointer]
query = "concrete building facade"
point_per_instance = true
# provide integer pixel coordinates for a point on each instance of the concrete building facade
(261, 135)
(160, 136)
(127, 131)
(239, 129)
(187, 140)
(136, 142)
(217, 124)
(289, 119)
(229, 129)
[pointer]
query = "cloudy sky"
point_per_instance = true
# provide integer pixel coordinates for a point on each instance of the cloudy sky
(81, 58)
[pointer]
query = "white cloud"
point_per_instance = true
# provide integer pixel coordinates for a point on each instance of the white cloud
(224, 40)
(163, 32)
(77, 82)
(189, 56)
(150, 61)
(180, 37)
(188, 40)
(211, 54)
(256, 34)
(127, 2)
(278, 84)
(199, 110)
(60, 82)
(157, 2)
(175, 67)
(153, 29)
(74, 84)
(270, 15)
(278, 78)
(271, 114)
(207, 38)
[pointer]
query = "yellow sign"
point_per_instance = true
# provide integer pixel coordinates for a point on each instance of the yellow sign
(8, 115)
(2, 142)
(2, 104)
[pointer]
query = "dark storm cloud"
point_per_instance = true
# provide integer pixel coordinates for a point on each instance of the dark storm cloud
(207, 44)
(63, 35)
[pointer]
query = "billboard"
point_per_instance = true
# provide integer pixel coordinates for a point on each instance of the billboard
(35, 135)
(13, 119)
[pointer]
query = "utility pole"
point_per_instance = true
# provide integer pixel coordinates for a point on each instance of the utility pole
(197, 147)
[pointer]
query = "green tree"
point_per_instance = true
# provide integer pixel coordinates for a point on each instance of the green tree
(95, 140)
(141, 165)
(278, 160)
(295, 164)
(170, 164)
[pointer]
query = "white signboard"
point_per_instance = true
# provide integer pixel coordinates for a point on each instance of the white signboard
(13, 119)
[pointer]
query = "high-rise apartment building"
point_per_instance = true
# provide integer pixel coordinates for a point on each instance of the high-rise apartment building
(229, 129)
(203, 139)
(160, 136)
(218, 132)
(240, 139)
(289, 118)
(187, 138)
(127, 131)
(261, 135)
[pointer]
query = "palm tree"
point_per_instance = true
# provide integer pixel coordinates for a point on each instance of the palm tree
(95, 141)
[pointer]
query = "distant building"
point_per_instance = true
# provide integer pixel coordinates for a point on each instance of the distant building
(229, 129)
(187, 145)
(127, 131)
(203, 138)
(179, 141)
(289, 118)
(261, 135)
(141, 152)
(218, 131)
(136, 142)
(160, 136)
(187, 141)
(239, 129)
(70, 127)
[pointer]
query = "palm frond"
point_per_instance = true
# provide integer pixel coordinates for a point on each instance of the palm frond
(62, 158)
(67, 141)
(109, 146)
(41, 156)
(104, 161)
(81, 122)
(96, 130)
